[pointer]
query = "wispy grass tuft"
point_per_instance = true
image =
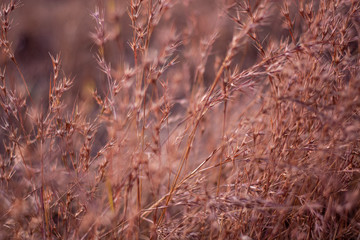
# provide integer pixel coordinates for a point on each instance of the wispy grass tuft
(210, 120)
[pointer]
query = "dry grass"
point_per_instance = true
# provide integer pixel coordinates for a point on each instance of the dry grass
(211, 120)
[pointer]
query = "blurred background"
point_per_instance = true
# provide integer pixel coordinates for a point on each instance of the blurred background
(41, 27)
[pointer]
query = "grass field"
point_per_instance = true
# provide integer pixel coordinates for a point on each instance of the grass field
(169, 119)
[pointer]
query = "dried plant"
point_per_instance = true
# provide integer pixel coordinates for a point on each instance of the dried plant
(211, 120)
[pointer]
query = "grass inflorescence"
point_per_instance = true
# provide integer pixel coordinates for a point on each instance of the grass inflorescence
(204, 120)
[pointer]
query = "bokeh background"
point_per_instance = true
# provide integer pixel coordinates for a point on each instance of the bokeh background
(41, 27)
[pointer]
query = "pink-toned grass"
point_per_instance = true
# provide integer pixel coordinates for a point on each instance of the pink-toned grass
(227, 120)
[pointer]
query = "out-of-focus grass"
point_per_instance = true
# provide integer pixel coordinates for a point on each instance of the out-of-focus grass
(179, 120)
